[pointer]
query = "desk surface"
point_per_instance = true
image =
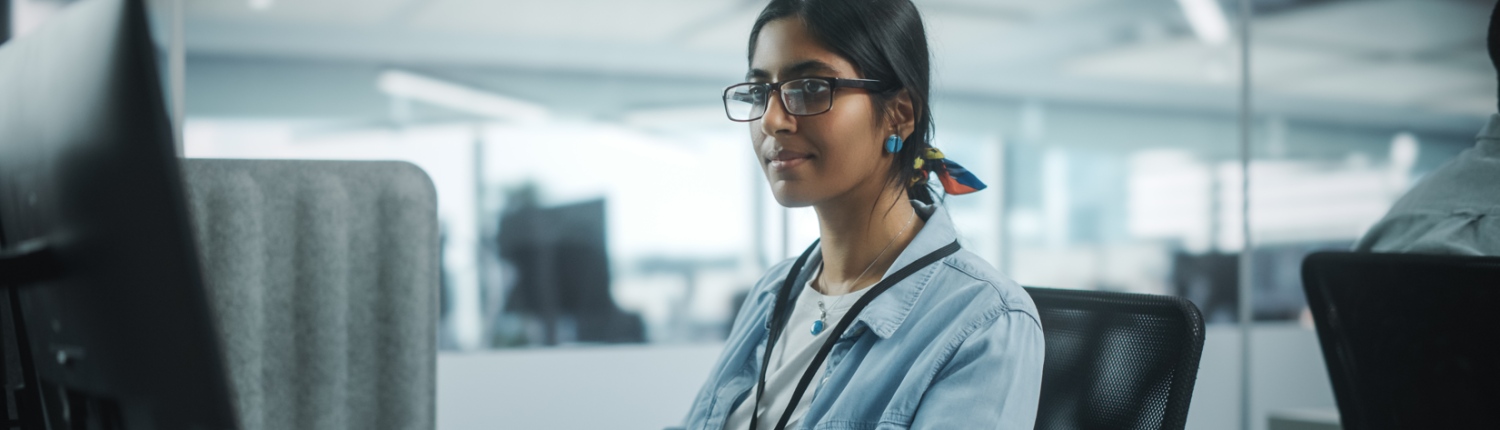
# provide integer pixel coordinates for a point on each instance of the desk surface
(1304, 419)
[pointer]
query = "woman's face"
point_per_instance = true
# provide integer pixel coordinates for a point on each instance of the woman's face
(811, 159)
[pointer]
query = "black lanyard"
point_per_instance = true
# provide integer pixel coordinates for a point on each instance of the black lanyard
(779, 319)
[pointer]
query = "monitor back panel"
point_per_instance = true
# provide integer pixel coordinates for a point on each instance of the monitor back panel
(88, 166)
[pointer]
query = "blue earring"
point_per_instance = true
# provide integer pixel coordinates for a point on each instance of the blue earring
(893, 144)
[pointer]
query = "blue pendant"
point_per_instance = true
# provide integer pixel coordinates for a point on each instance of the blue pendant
(817, 327)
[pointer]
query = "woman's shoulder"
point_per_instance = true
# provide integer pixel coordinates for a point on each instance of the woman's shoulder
(990, 291)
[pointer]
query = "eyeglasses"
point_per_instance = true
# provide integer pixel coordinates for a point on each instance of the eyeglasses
(802, 97)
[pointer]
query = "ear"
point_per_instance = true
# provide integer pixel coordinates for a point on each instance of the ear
(901, 114)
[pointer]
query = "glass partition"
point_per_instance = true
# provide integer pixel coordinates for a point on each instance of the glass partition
(593, 193)
(1354, 103)
(1108, 132)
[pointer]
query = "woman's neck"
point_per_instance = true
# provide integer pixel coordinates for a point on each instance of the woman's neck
(855, 231)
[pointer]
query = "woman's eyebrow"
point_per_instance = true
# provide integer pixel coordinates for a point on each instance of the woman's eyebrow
(804, 68)
(808, 67)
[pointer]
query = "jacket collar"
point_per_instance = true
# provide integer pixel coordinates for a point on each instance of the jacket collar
(886, 313)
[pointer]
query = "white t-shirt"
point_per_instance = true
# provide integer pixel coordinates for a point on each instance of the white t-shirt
(791, 356)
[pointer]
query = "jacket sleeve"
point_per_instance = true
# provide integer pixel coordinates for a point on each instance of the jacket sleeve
(993, 380)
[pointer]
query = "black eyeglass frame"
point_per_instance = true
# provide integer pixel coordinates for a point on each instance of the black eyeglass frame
(833, 84)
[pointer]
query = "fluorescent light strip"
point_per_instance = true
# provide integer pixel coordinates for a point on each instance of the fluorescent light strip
(434, 91)
(1207, 19)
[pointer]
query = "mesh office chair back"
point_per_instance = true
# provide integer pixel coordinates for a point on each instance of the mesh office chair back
(1411, 341)
(1117, 360)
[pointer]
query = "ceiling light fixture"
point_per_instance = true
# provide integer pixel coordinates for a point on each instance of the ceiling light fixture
(260, 5)
(411, 86)
(1207, 19)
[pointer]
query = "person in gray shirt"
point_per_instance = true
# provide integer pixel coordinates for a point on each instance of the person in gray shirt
(1456, 209)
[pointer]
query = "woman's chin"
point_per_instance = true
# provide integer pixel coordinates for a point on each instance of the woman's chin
(791, 196)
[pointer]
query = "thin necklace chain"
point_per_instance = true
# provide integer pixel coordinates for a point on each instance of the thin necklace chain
(823, 309)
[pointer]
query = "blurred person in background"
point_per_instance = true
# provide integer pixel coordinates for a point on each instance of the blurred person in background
(1456, 209)
(885, 320)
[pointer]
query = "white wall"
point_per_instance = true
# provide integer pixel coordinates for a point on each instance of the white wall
(1287, 373)
(650, 387)
(617, 387)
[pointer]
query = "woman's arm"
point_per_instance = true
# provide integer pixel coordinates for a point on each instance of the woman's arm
(993, 380)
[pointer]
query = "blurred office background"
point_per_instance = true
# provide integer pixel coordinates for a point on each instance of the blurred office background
(602, 218)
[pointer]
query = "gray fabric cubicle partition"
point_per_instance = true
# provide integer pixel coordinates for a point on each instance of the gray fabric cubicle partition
(324, 278)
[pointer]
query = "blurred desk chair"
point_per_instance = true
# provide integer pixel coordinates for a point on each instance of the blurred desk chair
(324, 279)
(1117, 360)
(1411, 341)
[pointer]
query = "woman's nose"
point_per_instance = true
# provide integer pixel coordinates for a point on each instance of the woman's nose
(777, 120)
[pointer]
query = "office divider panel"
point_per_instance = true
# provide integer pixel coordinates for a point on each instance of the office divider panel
(323, 276)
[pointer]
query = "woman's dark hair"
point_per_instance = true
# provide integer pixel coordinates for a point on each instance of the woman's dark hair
(1494, 37)
(885, 41)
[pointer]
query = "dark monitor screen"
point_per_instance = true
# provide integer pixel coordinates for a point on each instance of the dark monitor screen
(1410, 340)
(120, 336)
(563, 279)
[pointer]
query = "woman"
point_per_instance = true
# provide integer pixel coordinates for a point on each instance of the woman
(924, 334)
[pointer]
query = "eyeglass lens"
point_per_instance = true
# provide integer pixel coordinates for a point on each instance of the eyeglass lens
(746, 102)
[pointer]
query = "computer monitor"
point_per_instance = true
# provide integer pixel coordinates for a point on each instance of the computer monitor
(563, 275)
(96, 250)
(1409, 340)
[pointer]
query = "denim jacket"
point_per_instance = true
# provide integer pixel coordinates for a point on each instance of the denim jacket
(956, 345)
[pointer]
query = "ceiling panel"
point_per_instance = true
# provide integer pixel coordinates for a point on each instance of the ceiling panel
(1380, 26)
(1476, 58)
(1401, 83)
(317, 12)
(1422, 54)
(1477, 98)
(599, 21)
(950, 35)
(1272, 63)
(1476, 103)
(1177, 62)
(947, 31)
(1448, 86)
(727, 32)
(1016, 9)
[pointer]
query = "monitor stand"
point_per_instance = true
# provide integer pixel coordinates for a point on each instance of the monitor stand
(31, 263)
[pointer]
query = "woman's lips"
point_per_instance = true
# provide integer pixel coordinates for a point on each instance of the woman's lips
(785, 159)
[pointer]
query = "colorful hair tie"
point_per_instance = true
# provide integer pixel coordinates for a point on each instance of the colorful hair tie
(955, 178)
